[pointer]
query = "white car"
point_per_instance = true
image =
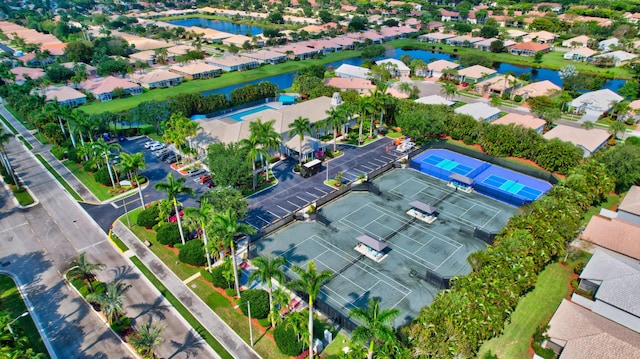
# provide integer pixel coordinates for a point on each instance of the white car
(148, 144)
(157, 147)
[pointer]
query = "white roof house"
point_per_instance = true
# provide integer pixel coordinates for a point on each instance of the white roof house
(64, 95)
(605, 45)
(589, 141)
(619, 57)
(396, 67)
(351, 71)
(479, 110)
(597, 102)
(157, 78)
(434, 100)
(579, 54)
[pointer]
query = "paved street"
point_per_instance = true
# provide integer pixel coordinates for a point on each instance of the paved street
(38, 245)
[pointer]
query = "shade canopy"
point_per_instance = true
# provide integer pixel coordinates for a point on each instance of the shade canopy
(460, 178)
(371, 242)
(423, 207)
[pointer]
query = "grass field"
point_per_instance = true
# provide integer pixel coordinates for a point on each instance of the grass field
(13, 129)
(217, 347)
(100, 191)
(11, 303)
(58, 178)
(166, 255)
(198, 86)
(532, 311)
(23, 196)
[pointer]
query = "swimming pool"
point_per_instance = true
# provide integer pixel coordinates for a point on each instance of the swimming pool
(239, 115)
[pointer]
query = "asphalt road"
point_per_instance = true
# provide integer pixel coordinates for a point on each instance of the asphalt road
(37, 246)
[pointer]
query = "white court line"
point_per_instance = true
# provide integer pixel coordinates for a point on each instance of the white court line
(379, 160)
(302, 199)
(446, 259)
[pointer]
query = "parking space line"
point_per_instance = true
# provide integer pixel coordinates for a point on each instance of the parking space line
(379, 160)
(367, 167)
(293, 204)
(284, 209)
(311, 194)
(273, 214)
(320, 190)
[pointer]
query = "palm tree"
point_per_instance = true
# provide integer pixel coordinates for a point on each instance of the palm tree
(267, 136)
(227, 227)
(281, 299)
(146, 339)
(379, 99)
(162, 55)
(60, 112)
(295, 321)
(587, 125)
(419, 65)
(617, 127)
(201, 218)
(254, 152)
(335, 121)
(131, 164)
(375, 324)
(82, 268)
(448, 89)
(495, 100)
(173, 188)
(365, 106)
(300, 126)
(267, 269)
(111, 300)
(310, 282)
(5, 137)
(102, 148)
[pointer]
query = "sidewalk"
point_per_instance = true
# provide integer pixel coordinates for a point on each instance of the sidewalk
(237, 347)
(45, 152)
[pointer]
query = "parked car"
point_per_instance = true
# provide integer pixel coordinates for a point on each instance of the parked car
(148, 144)
(166, 155)
(203, 178)
(209, 184)
(196, 172)
(157, 147)
(174, 218)
(161, 152)
(173, 159)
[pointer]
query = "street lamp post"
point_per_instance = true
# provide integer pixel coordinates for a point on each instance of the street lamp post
(14, 320)
(250, 326)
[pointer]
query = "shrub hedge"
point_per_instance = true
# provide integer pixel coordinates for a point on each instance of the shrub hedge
(102, 176)
(168, 234)
(259, 301)
(286, 340)
(149, 217)
(192, 253)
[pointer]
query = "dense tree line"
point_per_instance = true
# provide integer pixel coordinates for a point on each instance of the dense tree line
(253, 92)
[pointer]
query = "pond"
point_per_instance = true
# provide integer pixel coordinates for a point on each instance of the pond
(286, 80)
(224, 26)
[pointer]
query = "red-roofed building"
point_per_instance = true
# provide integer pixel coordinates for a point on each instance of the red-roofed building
(362, 86)
(102, 89)
(529, 48)
(24, 73)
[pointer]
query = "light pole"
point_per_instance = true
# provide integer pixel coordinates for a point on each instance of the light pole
(250, 326)
(14, 320)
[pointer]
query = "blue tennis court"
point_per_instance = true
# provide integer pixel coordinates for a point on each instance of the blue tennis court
(513, 187)
(447, 164)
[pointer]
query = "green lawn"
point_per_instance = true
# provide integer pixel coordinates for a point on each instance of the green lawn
(18, 117)
(611, 202)
(217, 347)
(11, 303)
(335, 348)
(13, 129)
(533, 310)
(100, 191)
(25, 142)
(58, 178)
(23, 197)
(198, 86)
(166, 255)
(118, 242)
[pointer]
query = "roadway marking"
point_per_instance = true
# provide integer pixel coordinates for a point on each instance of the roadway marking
(92, 245)
(284, 209)
(273, 214)
(11, 228)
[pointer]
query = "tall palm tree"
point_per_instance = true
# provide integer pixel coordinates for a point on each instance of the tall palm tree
(448, 89)
(201, 218)
(380, 99)
(295, 321)
(162, 55)
(267, 136)
(268, 268)
(173, 187)
(5, 137)
(335, 121)
(131, 164)
(102, 148)
(254, 152)
(82, 268)
(375, 326)
(617, 127)
(310, 282)
(300, 126)
(111, 300)
(59, 112)
(365, 106)
(227, 227)
(281, 299)
(146, 339)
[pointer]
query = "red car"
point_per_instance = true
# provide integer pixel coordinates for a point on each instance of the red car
(174, 218)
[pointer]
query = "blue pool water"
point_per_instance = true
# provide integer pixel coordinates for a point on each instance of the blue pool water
(287, 100)
(198, 117)
(239, 115)
(224, 26)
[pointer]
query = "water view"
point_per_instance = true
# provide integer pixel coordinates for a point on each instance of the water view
(220, 26)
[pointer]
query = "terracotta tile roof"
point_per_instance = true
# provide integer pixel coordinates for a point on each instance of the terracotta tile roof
(349, 83)
(527, 121)
(532, 46)
(589, 139)
(107, 85)
(31, 72)
(614, 234)
(441, 65)
(62, 93)
(476, 71)
(631, 201)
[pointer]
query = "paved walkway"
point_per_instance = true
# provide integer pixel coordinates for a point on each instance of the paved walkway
(207, 317)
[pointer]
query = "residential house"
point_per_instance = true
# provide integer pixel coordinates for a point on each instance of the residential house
(629, 208)
(436, 37)
(589, 141)
(579, 54)
(534, 89)
(372, 35)
(437, 67)
(619, 58)
(22, 74)
(434, 25)
(485, 45)
(360, 85)
(614, 282)
(475, 73)
(526, 121)
(148, 57)
(91, 70)
(496, 85)
(299, 51)
(572, 18)
(265, 56)
(578, 41)
(102, 89)
(575, 332)
(232, 63)
(351, 71)
(435, 100)
(447, 15)
(606, 45)
(196, 70)
(554, 6)
(516, 35)
(541, 37)
(63, 95)
(528, 48)
(179, 50)
(614, 234)
(634, 107)
(157, 79)
(347, 43)
(632, 17)
(324, 46)
(595, 103)
(397, 68)
(479, 111)
(237, 40)
(463, 41)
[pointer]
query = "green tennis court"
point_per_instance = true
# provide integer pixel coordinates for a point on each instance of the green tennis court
(413, 246)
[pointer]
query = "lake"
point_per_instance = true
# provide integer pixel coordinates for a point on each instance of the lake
(286, 80)
(220, 26)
